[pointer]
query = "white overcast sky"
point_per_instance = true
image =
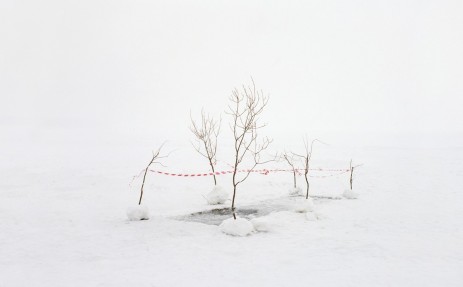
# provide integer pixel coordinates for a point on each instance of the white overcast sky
(336, 66)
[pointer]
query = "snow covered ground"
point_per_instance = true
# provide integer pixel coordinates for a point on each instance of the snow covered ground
(63, 221)
(89, 88)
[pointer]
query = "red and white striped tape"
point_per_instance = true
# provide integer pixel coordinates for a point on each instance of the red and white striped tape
(261, 171)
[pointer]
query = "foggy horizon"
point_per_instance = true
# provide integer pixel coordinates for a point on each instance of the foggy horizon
(328, 67)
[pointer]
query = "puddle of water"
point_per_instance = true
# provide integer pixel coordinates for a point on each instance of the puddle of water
(217, 216)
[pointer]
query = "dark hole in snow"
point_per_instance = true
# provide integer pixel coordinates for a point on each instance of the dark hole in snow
(218, 215)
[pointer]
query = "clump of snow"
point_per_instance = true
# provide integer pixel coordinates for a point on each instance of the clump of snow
(350, 194)
(305, 205)
(262, 224)
(311, 216)
(139, 212)
(294, 191)
(218, 195)
(276, 221)
(238, 227)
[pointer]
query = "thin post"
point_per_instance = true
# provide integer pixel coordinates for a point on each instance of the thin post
(351, 174)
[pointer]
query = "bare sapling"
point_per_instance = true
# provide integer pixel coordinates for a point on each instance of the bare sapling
(291, 160)
(349, 193)
(246, 107)
(351, 168)
(306, 158)
(154, 160)
(206, 134)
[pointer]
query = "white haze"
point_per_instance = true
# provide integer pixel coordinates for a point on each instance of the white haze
(89, 88)
(137, 68)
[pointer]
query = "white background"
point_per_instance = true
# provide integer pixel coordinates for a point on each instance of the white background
(138, 67)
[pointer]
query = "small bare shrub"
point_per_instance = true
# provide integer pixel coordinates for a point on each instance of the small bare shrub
(306, 159)
(206, 134)
(290, 158)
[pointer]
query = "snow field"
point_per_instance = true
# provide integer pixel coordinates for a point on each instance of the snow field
(311, 216)
(65, 226)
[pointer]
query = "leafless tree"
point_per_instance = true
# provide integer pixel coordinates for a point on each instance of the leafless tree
(306, 158)
(291, 160)
(246, 107)
(206, 134)
(154, 160)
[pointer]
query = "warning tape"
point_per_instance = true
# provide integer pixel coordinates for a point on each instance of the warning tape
(261, 171)
(207, 174)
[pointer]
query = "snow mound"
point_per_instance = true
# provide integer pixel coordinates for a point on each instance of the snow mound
(294, 191)
(262, 224)
(139, 212)
(276, 221)
(217, 196)
(349, 194)
(311, 216)
(305, 205)
(238, 227)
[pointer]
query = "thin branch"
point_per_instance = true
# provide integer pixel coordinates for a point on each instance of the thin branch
(156, 156)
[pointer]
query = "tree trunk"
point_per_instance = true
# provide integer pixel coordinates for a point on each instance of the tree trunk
(307, 182)
(234, 195)
(213, 171)
(294, 177)
(351, 173)
(144, 177)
